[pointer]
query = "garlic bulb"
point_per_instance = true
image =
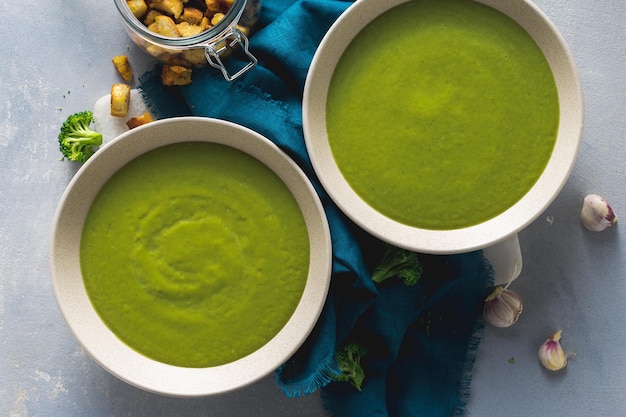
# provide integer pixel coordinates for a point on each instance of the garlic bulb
(551, 353)
(597, 214)
(502, 307)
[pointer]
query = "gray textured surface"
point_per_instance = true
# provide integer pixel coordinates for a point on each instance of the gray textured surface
(58, 61)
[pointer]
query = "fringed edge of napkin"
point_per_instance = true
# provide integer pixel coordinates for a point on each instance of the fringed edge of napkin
(468, 367)
(472, 352)
(324, 376)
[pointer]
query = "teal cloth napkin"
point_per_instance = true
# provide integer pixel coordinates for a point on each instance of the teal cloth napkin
(421, 339)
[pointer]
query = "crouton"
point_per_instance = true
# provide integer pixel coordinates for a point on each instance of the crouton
(175, 75)
(186, 29)
(243, 29)
(195, 57)
(139, 120)
(172, 8)
(149, 19)
(137, 7)
(191, 15)
(227, 4)
(120, 99)
(165, 26)
(212, 6)
(217, 17)
(205, 23)
(123, 67)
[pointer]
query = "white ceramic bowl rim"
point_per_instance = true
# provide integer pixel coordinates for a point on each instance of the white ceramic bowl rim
(483, 235)
(101, 343)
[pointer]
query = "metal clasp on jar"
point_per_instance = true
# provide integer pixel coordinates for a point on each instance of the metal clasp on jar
(233, 38)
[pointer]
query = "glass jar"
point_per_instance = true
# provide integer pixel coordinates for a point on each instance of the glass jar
(211, 46)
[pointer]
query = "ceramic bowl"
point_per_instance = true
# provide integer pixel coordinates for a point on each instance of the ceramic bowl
(95, 336)
(488, 233)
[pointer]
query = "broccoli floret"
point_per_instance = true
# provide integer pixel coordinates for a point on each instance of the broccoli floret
(349, 362)
(398, 262)
(76, 139)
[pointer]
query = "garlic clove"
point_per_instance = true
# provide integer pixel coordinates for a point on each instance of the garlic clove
(502, 307)
(597, 214)
(551, 354)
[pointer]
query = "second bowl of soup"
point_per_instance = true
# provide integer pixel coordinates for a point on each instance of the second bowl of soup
(443, 126)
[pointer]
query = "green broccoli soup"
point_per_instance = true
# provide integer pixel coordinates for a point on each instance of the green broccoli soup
(194, 254)
(442, 114)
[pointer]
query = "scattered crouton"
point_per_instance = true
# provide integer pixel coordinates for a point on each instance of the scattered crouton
(123, 67)
(139, 120)
(120, 99)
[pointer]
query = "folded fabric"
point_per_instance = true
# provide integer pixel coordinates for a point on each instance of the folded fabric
(420, 338)
(422, 341)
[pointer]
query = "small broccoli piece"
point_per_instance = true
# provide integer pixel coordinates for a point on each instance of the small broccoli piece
(349, 362)
(398, 262)
(76, 139)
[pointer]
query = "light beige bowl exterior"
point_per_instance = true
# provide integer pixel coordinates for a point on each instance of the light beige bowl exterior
(493, 231)
(101, 343)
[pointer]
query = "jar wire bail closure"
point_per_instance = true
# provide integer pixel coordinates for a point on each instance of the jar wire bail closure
(233, 38)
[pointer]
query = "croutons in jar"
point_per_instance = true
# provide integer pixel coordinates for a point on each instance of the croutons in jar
(192, 33)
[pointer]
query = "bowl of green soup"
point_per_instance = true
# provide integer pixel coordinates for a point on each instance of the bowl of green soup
(190, 256)
(443, 126)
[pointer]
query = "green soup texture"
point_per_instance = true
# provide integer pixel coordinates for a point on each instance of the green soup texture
(442, 114)
(195, 254)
